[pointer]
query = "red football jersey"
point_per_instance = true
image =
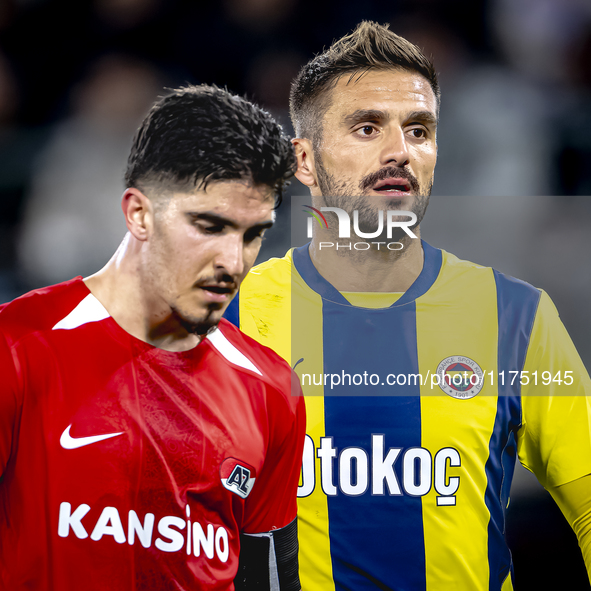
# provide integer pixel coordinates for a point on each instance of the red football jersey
(129, 467)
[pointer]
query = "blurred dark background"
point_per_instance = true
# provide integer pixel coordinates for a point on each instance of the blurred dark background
(511, 187)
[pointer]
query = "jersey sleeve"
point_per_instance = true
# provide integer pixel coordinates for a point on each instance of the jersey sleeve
(272, 503)
(574, 500)
(554, 441)
(9, 402)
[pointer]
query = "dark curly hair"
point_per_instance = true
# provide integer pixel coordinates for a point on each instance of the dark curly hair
(199, 134)
(369, 46)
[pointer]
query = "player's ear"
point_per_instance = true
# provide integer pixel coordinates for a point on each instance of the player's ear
(306, 172)
(138, 211)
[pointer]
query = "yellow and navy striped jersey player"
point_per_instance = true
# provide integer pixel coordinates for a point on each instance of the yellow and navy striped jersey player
(404, 486)
(424, 376)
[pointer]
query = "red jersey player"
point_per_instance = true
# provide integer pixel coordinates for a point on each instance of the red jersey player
(144, 442)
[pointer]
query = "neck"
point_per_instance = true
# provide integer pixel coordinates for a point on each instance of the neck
(121, 288)
(377, 269)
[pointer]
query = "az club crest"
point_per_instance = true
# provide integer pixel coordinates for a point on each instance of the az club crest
(237, 476)
(460, 377)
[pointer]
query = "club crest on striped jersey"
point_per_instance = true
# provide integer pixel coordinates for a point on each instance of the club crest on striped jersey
(237, 476)
(460, 377)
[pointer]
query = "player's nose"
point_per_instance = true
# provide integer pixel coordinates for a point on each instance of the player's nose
(230, 255)
(395, 150)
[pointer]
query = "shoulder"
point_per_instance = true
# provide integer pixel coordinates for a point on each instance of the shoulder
(246, 354)
(40, 309)
(275, 272)
(455, 269)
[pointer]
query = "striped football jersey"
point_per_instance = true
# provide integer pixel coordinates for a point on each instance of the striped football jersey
(416, 413)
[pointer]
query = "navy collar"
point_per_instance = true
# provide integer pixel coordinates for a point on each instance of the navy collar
(307, 270)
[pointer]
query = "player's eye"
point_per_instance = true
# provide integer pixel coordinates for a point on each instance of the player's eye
(418, 133)
(366, 130)
(211, 228)
(254, 234)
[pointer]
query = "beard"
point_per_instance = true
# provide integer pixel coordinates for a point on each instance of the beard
(199, 326)
(206, 321)
(350, 198)
(202, 322)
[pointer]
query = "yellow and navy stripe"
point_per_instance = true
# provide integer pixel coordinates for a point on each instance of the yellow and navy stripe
(355, 536)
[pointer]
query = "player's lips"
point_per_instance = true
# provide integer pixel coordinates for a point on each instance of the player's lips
(392, 186)
(218, 292)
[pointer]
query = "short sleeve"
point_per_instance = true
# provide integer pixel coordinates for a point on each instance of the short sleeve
(554, 441)
(8, 402)
(272, 503)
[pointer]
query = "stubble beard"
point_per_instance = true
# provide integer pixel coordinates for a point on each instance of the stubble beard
(206, 322)
(201, 326)
(345, 195)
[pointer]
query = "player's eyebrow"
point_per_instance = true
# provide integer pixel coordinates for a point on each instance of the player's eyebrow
(365, 115)
(426, 117)
(361, 115)
(220, 220)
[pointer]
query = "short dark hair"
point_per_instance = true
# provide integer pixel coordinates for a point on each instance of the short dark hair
(369, 46)
(199, 134)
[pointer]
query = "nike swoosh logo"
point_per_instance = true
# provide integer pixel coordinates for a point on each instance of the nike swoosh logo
(69, 442)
